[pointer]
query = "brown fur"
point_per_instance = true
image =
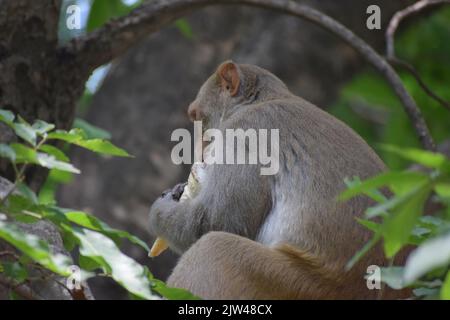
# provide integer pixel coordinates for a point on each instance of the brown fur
(225, 266)
(284, 236)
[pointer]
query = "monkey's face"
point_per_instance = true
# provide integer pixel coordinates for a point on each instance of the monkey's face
(207, 106)
(217, 96)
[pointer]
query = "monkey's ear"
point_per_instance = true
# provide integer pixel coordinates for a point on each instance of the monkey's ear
(228, 73)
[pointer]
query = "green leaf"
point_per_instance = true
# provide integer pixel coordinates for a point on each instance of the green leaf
(23, 209)
(77, 137)
(67, 136)
(425, 158)
(26, 132)
(124, 270)
(103, 147)
(48, 190)
(7, 152)
(17, 203)
(89, 221)
(172, 293)
(393, 277)
(61, 176)
(42, 127)
(419, 235)
(410, 181)
(185, 28)
(49, 161)
(430, 255)
(55, 215)
(445, 289)
(384, 179)
(362, 252)
(92, 132)
(427, 293)
(24, 154)
(103, 10)
(6, 116)
(355, 184)
(27, 192)
(35, 248)
(27, 155)
(69, 240)
(431, 221)
(375, 228)
(371, 225)
(90, 264)
(443, 189)
(396, 201)
(397, 227)
(57, 153)
(15, 271)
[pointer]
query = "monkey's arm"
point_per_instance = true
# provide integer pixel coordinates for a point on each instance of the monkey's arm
(233, 198)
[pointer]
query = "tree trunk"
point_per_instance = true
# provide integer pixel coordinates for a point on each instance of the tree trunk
(37, 81)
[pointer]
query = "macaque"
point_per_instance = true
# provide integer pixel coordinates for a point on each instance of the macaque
(282, 236)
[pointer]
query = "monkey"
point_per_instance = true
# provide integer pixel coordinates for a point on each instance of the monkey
(281, 236)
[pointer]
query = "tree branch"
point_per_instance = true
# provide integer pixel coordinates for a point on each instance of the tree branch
(408, 67)
(390, 46)
(108, 42)
(402, 14)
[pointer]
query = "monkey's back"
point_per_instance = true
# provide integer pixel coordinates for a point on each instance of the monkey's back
(317, 152)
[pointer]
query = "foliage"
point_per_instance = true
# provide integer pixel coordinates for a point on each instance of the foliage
(403, 221)
(97, 245)
(370, 107)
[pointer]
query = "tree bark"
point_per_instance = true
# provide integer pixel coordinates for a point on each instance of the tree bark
(37, 81)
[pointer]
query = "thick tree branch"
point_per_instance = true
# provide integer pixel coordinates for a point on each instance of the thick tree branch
(117, 36)
(390, 46)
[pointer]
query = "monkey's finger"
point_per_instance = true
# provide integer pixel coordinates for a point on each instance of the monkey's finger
(178, 190)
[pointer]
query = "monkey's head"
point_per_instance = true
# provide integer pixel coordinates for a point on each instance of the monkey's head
(231, 87)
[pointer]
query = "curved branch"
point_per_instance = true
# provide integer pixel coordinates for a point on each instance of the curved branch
(101, 46)
(402, 14)
(390, 47)
(408, 67)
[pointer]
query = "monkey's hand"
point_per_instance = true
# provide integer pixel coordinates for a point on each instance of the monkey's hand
(161, 205)
(173, 220)
(161, 244)
(176, 191)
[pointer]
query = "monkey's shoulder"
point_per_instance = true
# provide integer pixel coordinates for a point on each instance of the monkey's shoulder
(276, 113)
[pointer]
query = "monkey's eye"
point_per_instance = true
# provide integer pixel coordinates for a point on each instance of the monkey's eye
(227, 87)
